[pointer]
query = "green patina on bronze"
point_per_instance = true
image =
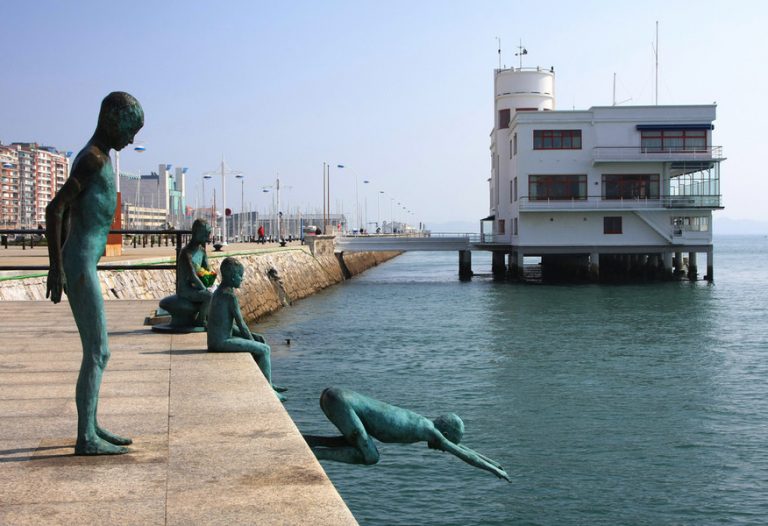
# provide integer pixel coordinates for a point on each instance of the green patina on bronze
(189, 306)
(78, 220)
(361, 419)
(227, 330)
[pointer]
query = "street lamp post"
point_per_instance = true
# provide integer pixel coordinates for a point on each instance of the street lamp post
(223, 172)
(206, 177)
(242, 209)
(378, 209)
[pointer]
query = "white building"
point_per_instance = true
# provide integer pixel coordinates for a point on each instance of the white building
(157, 200)
(626, 188)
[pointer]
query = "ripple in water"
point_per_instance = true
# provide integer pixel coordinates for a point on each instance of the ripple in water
(606, 404)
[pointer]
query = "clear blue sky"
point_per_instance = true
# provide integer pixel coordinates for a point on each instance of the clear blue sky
(400, 92)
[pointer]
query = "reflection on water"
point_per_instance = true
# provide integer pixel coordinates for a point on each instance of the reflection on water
(607, 404)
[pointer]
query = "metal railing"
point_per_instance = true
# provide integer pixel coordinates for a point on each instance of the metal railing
(644, 153)
(178, 235)
(601, 203)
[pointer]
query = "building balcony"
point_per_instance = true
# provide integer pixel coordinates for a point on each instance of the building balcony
(620, 154)
(598, 203)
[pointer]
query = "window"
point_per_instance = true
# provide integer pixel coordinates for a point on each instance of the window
(690, 224)
(557, 139)
(630, 186)
(511, 191)
(503, 119)
(501, 226)
(673, 140)
(514, 188)
(514, 226)
(612, 225)
(514, 144)
(557, 187)
(510, 148)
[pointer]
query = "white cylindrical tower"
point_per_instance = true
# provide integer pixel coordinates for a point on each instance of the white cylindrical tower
(522, 89)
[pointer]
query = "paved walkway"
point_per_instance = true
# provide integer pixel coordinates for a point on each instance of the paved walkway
(16, 256)
(212, 445)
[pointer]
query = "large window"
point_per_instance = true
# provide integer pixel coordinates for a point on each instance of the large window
(557, 139)
(690, 224)
(673, 140)
(557, 187)
(630, 186)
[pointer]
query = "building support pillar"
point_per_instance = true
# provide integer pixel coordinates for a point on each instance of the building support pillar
(497, 265)
(516, 265)
(465, 264)
(692, 270)
(666, 259)
(594, 266)
(710, 266)
(678, 263)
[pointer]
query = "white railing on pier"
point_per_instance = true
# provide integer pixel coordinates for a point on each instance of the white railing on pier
(421, 241)
(598, 203)
(641, 153)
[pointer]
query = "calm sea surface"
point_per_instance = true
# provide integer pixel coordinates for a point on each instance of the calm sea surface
(636, 404)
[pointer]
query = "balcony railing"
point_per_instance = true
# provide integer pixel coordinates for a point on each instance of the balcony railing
(640, 153)
(598, 203)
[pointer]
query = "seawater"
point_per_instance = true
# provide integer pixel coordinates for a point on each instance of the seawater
(606, 404)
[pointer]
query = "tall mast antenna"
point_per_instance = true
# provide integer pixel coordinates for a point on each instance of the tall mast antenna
(498, 40)
(656, 55)
(520, 52)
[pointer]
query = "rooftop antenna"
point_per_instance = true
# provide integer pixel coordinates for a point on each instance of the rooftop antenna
(498, 40)
(656, 55)
(520, 52)
(614, 93)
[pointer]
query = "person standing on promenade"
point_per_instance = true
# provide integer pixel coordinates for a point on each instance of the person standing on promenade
(78, 220)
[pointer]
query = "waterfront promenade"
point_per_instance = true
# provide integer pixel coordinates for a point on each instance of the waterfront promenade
(16, 256)
(212, 445)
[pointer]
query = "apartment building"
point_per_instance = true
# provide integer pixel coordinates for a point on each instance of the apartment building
(30, 175)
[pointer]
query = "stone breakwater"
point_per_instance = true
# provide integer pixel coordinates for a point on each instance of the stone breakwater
(272, 279)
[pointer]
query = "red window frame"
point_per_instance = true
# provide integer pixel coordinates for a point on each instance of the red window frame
(557, 139)
(673, 140)
(630, 186)
(557, 187)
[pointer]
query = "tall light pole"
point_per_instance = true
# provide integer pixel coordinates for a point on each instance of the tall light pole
(242, 201)
(339, 166)
(378, 209)
(206, 177)
(223, 172)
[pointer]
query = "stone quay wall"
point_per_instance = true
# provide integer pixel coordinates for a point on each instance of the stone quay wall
(271, 280)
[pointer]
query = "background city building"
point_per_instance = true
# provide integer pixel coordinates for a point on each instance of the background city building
(156, 200)
(30, 175)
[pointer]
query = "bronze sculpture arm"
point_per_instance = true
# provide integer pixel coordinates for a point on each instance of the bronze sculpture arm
(470, 457)
(54, 232)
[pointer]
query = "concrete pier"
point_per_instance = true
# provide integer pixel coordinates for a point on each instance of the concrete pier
(465, 264)
(594, 266)
(212, 444)
(498, 267)
(692, 266)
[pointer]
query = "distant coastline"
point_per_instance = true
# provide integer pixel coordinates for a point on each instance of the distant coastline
(725, 226)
